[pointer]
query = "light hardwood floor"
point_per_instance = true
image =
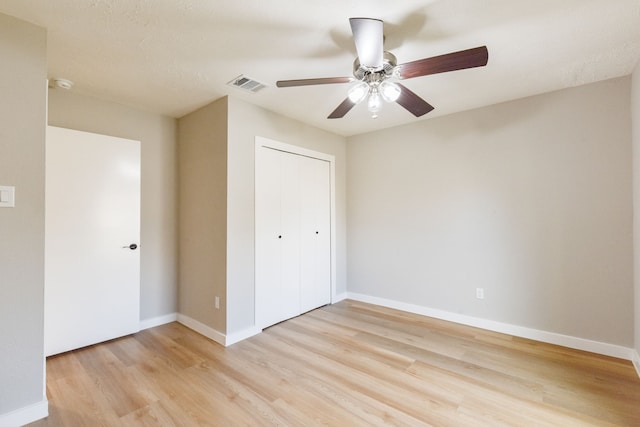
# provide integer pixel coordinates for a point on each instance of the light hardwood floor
(350, 364)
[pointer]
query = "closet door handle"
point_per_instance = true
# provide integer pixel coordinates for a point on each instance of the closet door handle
(132, 246)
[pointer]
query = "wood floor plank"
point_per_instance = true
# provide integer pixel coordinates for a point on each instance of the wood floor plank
(110, 377)
(364, 363)
(154, 414)
(309, 377)
(61, 366)
(427, 408)
(83, 403)
(406, 333)
(349, 364)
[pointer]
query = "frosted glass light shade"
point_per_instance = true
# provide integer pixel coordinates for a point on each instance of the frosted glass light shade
(390, 91)
(358, 92)
(375, 103)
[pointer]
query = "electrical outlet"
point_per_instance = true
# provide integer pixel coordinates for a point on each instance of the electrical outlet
(217, 302)
(7, 196)
(480, 293)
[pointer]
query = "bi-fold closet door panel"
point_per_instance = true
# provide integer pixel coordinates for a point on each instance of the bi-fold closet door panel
(293, 255)
(315, 232)
(277, 238)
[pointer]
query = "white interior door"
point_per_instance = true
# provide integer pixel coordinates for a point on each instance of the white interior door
(92, 274)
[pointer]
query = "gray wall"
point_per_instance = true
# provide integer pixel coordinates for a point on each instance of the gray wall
(247, 121)
(530, 200)
(202, 137)
(22, 134)
(157, 134)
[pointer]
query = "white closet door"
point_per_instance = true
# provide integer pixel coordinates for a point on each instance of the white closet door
(290, 237)
(92, 277)
(315, 229)
(277, 290)
(293, 243)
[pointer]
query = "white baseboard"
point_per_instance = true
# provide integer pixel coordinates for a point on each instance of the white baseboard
(217, 336)
(241, 335)
(25, 415)
(157, 321)
(202, 329)
(505, 328)
(636, 361)
(339, 297)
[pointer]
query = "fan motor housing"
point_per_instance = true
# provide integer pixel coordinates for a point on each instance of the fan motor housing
(389, 63)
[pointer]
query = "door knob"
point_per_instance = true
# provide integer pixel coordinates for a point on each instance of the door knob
(132, 246)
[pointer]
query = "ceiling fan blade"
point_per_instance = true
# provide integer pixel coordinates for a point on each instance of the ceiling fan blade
(412, 102)
(368, 36)
(342, 109)
(309, 82)
(470, 58)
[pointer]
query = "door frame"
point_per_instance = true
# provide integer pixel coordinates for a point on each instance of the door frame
(261, 142)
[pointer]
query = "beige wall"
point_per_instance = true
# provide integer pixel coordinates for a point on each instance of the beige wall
(530, 200)
(635, 120)
(157, 134)
(23, 93)
(202, 167)
(247, 121)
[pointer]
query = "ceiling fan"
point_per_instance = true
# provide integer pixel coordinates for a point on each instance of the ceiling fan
(377, 72)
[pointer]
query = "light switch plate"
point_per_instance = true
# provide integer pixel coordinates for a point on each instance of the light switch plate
(7, 196)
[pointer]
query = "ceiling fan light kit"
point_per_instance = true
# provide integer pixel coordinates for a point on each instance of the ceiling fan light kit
(373, 82)
(374, 67)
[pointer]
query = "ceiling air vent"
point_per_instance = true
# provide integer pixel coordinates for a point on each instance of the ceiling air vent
(245, 83)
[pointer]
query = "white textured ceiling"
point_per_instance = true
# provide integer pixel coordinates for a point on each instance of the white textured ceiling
(174, 56)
